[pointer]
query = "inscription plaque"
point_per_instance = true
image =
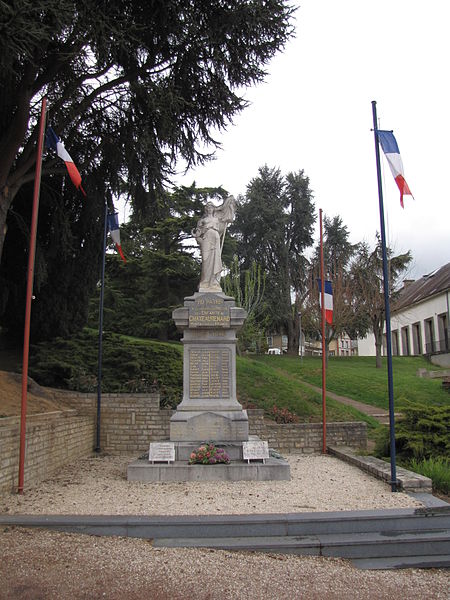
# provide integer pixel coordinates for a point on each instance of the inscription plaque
(209, 373)
(209, 311)
(161, 452)
(255, 450)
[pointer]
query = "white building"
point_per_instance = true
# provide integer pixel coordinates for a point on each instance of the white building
(420, 318)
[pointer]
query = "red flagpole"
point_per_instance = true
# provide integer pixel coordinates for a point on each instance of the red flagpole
(30, 276)
(324, 364)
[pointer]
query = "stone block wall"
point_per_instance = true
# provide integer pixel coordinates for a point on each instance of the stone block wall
(306, 438)
(52, 440)
(128, 421)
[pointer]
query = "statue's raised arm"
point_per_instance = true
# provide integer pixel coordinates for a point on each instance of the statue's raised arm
(210, 229)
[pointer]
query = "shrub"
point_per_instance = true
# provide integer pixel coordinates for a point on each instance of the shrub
(437, 469)
(283, 415)
(423, 432)
(127, 365)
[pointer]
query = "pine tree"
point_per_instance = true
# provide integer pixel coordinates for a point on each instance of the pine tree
(273, 227)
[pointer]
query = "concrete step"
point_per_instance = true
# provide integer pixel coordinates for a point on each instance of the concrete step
(375, 545)
(388, 522)
(372, 535)
(436, 561)
(343, 546)
(280, 544)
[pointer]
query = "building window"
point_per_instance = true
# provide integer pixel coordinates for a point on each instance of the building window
(443, 333)
(269, 341)
(405, 341)
(416, 339)
(395, 343)
(429, 337)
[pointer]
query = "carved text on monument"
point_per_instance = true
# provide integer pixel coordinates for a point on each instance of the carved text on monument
(209, 311)
(209, 373)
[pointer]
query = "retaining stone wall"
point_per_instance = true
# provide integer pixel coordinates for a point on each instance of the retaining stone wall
(52, 440)
(130, 421)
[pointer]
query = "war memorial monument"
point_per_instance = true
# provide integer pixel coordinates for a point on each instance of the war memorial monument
(209, 410)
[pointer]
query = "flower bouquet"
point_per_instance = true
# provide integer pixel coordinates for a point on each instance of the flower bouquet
(209, 454)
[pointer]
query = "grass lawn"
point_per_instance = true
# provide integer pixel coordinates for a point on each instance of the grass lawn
(262, 384)
(358, 378)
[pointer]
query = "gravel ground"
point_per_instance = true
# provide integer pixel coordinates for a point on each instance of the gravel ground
(41, 565)
(98, 486)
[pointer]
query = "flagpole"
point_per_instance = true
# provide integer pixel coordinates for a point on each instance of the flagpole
(29, 296)
(100, 334)
(387, 309)
(324, 364)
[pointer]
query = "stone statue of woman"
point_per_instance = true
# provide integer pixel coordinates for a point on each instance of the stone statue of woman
(210, 233)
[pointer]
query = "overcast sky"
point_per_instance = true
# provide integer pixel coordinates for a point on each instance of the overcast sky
(314, 113)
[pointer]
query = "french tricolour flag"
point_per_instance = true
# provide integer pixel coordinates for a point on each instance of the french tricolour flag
(328, 300)
(53, 141)
(392, 153)
(113, 226)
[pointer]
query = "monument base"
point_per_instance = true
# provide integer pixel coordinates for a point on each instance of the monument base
(274, 469)
(220, 426)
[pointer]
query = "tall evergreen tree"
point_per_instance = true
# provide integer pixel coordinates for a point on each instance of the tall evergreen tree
(132, 87)
(273, 227)
(136, 82)
(68, 251)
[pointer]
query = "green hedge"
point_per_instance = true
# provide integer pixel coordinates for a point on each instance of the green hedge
(127, 365)
(422, 433)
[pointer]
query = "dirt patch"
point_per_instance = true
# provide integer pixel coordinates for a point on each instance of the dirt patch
(39, 399)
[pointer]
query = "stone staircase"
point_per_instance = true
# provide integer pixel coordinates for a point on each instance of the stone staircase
(373, 539)
(370, 539)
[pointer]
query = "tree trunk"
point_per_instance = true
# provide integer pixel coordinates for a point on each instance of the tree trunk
(378, 359)
(293, 336)
(378, 333)
(5, 203)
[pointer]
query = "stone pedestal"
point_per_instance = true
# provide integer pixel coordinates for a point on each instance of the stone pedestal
(209, 409)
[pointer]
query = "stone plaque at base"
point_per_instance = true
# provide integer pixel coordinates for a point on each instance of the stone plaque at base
(161, 452)
(255, 450)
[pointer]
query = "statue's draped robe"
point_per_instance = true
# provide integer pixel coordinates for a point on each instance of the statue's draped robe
(210, 248)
